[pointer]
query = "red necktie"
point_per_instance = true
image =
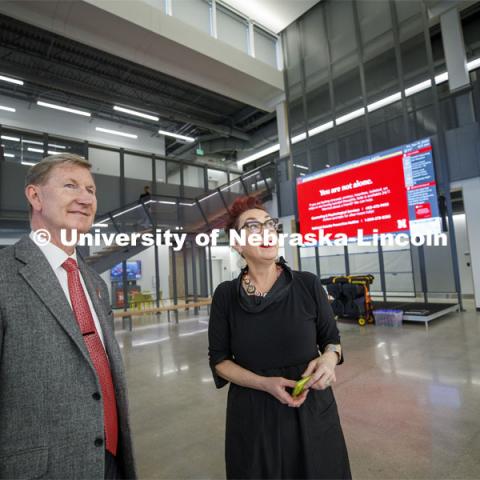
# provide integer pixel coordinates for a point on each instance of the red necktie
(97, 353)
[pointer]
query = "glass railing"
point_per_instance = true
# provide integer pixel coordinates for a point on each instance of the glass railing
(189, 215)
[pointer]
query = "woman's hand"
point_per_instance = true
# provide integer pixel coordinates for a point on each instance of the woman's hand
(322, 370)
(276, 386)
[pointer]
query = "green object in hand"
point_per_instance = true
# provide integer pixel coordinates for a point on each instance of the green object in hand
(299, 386)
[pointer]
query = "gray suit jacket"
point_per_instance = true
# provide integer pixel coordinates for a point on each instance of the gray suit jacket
(49, 418)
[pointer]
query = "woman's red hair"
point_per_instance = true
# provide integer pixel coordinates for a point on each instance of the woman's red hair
(239, 206)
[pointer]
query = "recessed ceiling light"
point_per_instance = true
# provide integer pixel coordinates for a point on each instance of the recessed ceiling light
(35, 150)
(30, 164)
(115, 132)
(135, 113)
(7, 109)
(63, 109)
(9, 155)
(176, 135)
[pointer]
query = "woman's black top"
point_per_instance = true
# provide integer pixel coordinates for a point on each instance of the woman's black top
(277, 335)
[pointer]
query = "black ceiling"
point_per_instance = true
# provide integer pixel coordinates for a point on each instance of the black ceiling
(59, 69)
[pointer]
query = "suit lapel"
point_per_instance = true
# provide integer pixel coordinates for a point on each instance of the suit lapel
(38, 273)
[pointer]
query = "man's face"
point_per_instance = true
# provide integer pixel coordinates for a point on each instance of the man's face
(67, 200)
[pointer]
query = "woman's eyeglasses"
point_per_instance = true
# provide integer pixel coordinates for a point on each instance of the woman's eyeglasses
(255, 226)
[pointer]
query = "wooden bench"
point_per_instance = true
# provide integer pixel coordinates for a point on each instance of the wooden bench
(166, 308)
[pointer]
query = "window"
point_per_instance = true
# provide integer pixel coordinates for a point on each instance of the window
(232, 29)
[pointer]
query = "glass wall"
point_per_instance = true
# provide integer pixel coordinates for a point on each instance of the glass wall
(359, 81)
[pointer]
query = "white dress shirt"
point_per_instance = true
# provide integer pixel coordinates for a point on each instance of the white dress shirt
(55, 257)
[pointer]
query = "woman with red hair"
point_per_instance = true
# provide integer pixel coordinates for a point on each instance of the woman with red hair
(266, 330)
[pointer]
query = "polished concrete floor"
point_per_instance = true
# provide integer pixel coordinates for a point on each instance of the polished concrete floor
(409, 399)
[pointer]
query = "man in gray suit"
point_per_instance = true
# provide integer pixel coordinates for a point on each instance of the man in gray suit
(63, 395)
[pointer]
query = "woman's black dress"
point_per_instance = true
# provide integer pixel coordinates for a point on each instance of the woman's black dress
(277, 335)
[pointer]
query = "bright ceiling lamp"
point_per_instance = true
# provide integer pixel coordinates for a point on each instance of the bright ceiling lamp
(30, 164)
(350, 116)
(136, 114)
(299, 138)
(39, 150)
(7, 109)
(116, 132)
(473, 64)
(11, 80)
(9, 155)
(320, 128)
(53, 145)
(260, 154)
(418, 87)
(441, 78)
(63, 109)
(384, 102)
(302, 167)
(12, 139)
(176, 135)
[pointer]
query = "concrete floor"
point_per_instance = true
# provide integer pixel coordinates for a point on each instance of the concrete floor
(409, 399)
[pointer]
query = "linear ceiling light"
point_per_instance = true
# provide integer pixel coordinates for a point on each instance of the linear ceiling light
(384, 102)
(418, 87)
(176, 135)
(30, 164)
(35, 150)
(299, 137)
(7, 109)
(300, 166)
(63, 109)
(260, 154)
(137, 114)
(12, 139)
(9, 155)
(443, 77)
(350, 116)
(320, 128)
(472, 65)
(11, 80)
(116, 132)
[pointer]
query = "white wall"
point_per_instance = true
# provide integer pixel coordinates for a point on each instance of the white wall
(231, 261)
(471, 194)
(463, 254)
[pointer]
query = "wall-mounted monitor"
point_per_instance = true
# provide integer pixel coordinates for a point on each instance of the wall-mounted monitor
(389, 192)
(134, 271)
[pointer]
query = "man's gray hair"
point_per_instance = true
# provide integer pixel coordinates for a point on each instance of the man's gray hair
(38, 174)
